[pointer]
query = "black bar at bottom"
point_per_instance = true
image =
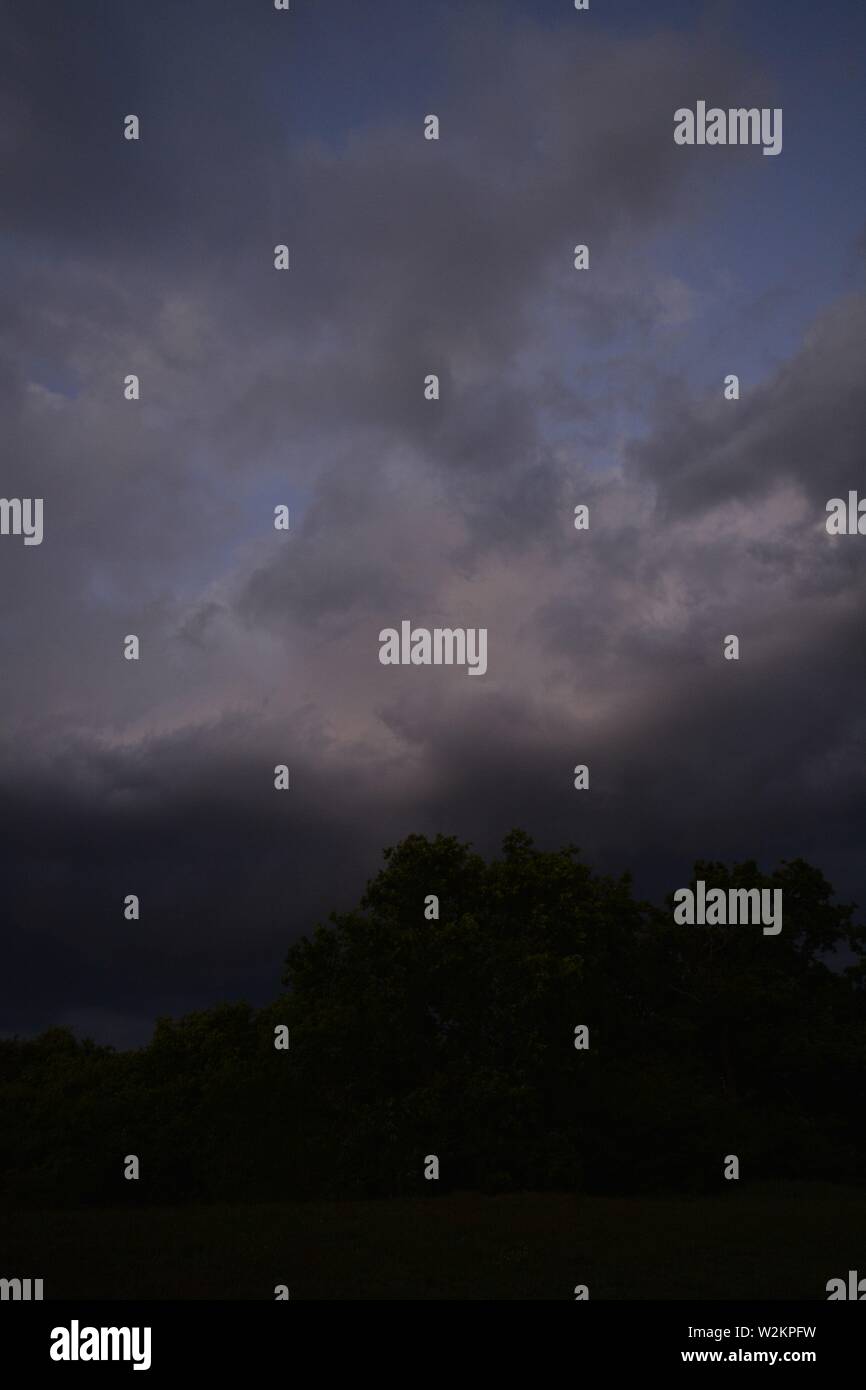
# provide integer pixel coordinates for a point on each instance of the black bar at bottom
(266, 1338)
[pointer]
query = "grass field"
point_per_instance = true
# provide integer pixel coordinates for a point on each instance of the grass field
(769, 1243)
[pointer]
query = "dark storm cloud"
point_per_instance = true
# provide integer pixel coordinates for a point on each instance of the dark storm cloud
(258, 648)
(806, 423)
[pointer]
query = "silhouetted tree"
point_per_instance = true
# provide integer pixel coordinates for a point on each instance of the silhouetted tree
(456, 1037)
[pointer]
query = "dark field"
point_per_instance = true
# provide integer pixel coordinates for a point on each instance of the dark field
(776, 1242)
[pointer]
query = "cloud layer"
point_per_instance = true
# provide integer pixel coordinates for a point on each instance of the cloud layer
(306, 388)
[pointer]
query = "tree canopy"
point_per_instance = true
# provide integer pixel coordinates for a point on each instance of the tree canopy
(414, 1032)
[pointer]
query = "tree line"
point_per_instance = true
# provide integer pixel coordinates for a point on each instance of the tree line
(457, 1036)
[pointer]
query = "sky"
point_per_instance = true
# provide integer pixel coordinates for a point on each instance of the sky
(306, 388)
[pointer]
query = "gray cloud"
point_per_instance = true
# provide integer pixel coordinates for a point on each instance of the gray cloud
(259, 388)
